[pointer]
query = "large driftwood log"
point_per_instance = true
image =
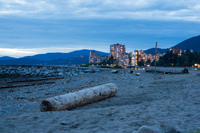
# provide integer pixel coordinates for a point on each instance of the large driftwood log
(82, 97)
(166, 70)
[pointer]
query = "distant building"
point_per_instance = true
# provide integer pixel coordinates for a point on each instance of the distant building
(124, 59)
(135, 56)
(176, 50)
(143, 56)
(157, 57)
(117, 50)
(150, 57)
(94, 58)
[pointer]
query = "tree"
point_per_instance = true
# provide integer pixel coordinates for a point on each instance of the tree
(111, 60)
(148, 61)
(153, 63)
(181, 61)
(161, 62)
(141, 63)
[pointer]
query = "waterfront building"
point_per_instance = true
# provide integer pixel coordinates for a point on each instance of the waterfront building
(150, 57)
(135, 56)
(143, 56)
(117, 50)
(94, 58)
(124, 60)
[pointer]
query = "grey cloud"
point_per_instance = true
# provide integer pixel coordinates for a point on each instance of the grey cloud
(76, 9)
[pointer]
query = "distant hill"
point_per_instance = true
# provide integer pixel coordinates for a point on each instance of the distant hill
(7, 58)
(55, 56)
(78, 60)
(73, 58)
(152, 51)
(21, 61)
(191, 43)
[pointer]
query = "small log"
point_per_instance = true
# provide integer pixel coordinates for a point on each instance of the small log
(31, 80)
(114, 71)
(21, 85)
(166, 70)
(82, 97)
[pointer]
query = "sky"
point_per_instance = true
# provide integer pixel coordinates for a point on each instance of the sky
(29, 27)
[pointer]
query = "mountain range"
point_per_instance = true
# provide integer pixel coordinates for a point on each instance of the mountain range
(73, 58)
(82, 56)
(191, 43)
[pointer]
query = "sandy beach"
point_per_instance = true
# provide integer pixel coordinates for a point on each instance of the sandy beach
(169, 100)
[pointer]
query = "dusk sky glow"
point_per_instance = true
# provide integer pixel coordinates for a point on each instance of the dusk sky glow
(29, 27)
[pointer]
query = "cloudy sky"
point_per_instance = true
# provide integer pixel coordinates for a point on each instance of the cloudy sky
(29, 27)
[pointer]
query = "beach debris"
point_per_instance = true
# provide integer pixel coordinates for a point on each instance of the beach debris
(185, 71)
(64, 123)
(149, 129)
(131, 71)
(114, 71)
(79, 98)
(137, 74)
(28, 84)
(89, 71)
(167, 70)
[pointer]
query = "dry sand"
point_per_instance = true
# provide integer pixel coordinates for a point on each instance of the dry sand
(172, 100)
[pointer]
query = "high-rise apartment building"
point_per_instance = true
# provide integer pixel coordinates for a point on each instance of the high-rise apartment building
(92, 57)
(124, 60)
(117, 50)
(135, 56)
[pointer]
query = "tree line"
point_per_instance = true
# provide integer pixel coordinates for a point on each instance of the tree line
(187, 58)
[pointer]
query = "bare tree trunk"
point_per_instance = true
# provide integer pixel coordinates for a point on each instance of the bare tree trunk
(82, 97)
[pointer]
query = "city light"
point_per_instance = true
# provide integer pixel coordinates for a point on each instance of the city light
(134, 58)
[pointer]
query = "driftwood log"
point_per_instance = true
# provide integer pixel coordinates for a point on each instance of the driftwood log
(28, 84)
(166, 70)
(114, 71)
(31, 80)
(82, 97)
